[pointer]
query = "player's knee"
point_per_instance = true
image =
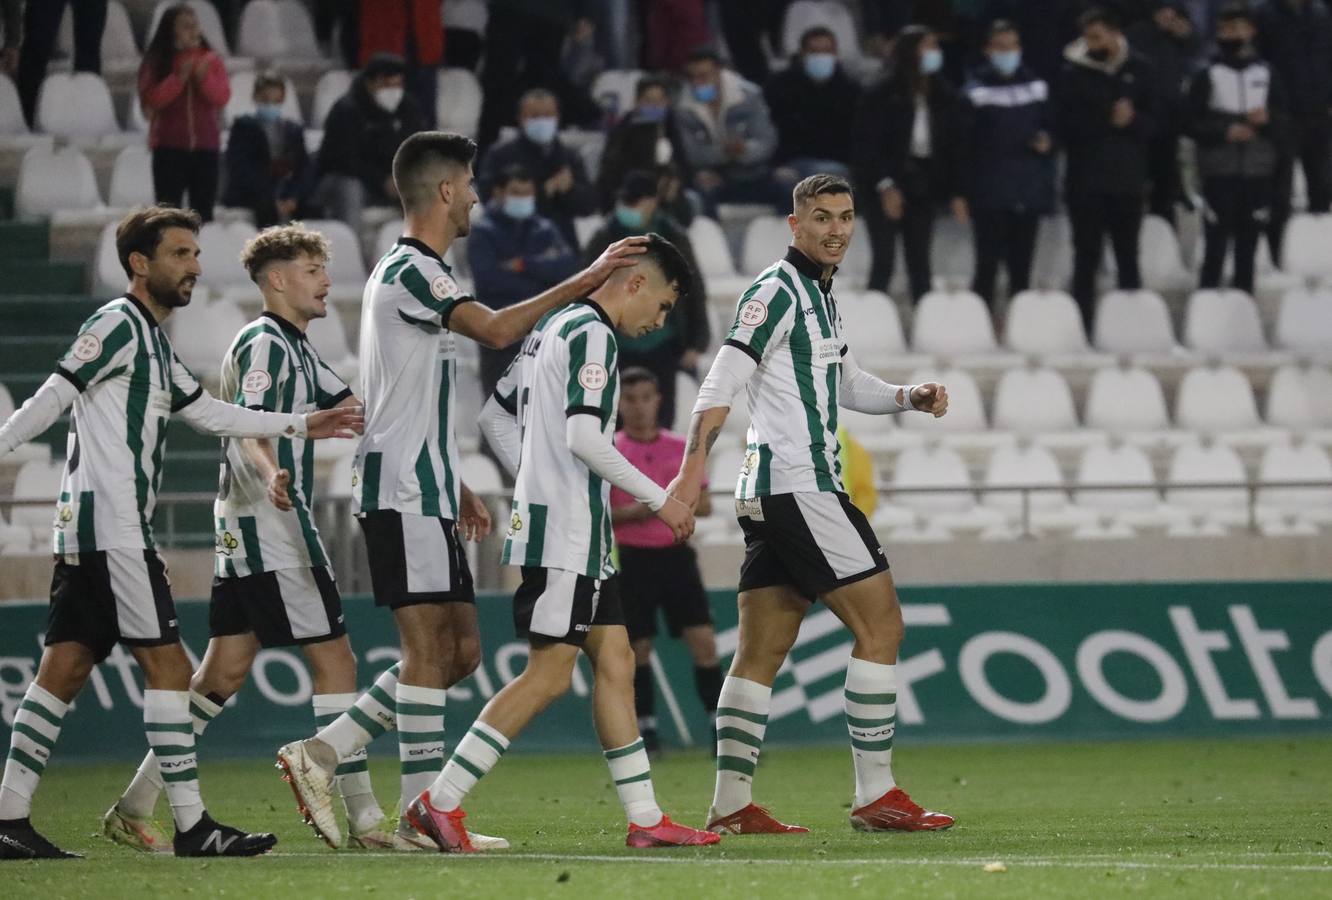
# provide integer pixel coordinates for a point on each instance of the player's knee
(616, 665)
(466, 659)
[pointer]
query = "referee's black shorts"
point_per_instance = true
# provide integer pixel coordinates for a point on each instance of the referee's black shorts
(664, 579)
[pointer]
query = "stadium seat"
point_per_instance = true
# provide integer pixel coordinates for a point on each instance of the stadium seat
(330, 88)
(1134, 501)
(762, 235)
(855, 268)
(1302, 462)
(1209, 463)
(6, 403)
(466, 15)
(871, 327)
(1126, 401)
(1159, 258)
(346, 269)
(210, 23)
(1300, 398)
(12, 123)
(875, 433)
(1023, 465)
(242, 99)
(220, 248)
(952, 323)
(586, 226)
(120, 51)
(1053, 265)
(932, 467)
(1304, 321)
(713, 255)
(202, 335)
(482, 475)
(1215, 399)
(329, 338)
(1044, 322)
(614, 91)
(966, 408)
(52, 179)
(1223, 322)
(1030, 401)
(36, 487)
(458, 104)
(276, 31)
(387, 236)
(132, 177)
(76, 106)
(1133, 322)
(1305, 246)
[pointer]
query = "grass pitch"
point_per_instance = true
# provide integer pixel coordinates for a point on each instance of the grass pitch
(1180, 819)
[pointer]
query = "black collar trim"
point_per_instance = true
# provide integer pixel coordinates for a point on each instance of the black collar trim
(425, 248)
(601, 313)
(808, 267)
(289, 328)
(143, 310)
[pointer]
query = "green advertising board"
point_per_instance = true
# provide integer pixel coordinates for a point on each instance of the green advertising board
(979, 663)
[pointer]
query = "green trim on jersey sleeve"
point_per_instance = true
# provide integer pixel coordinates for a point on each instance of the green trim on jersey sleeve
(101, 343)
(185, 388)
(592, 377)
(762, 314)
(421, 291)
(330, 389)
(261, 372)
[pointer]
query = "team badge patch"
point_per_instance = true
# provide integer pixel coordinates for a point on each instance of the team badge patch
(592, 376)
(443, 287)
(256, 381)
(226, 543)
(753, 314)
(87, 348)
(515, 524)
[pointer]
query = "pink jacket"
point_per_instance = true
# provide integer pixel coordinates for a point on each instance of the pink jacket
(185, 114)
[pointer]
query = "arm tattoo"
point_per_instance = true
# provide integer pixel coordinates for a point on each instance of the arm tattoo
(694, 443)
(712, 438)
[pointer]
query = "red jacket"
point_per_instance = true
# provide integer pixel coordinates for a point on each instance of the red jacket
(385, 23)
(186, 114)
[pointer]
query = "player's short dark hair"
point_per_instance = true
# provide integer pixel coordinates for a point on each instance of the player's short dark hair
(811, 187)
(511, 173)
(282, 243)
(637, 184)
(706, 53)
(141, 231)
(419, 153)
(1235, 11)
(670, 262)
(1099, 15)
(638, 375)
(538, 93)
(648, 82)
(818, 31)
(998, 27)
(268, 79)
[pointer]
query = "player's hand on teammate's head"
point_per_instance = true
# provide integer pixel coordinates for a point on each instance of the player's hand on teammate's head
(679, 517)
(339, 422)
(624, 252)
(930, 397)
(277, 490)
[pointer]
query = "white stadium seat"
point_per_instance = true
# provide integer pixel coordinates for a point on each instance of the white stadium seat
(1300, 398)
(1209, 464)
(761, 235)
(330, 88)
(1223, 322)
(1213, 399)
(329, 337)
(1023, 465)
(1125, 401)
(966, 408)
(109, 278)
(37, 484)
(1133, 322)
(201, 338)
(276, 30)
(132, 177)
(952, 323)
(12, 123)
(120, 51)
(713, 255)
(1124, 465)
(346, 269)
(1044, 322)
(52, 179)
(932, 467)
(458, 102)
(210, 23)
(1033, 400)
(242, 99)
(1159, 258)
(76, 106)
(1304, 320)
(387, 236)
(614, 90)
(1295, 463)
(219, 255)
(481, 474)
(872, 327)
(1305, 246)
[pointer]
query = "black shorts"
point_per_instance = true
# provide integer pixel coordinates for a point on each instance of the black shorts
(666, 579)
(559, 606)
(415, 559)
(815, 542)
(101, 597)
(284, 608)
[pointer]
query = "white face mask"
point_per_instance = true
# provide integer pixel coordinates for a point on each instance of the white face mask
(389, 98)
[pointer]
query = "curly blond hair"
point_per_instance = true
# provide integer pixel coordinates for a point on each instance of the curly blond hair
(282, 243)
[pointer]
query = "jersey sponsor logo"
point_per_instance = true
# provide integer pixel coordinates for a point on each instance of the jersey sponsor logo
(592, 376)
(227, 543)
(443, 287)
(87, 348)
(753, 314)
(256, 381)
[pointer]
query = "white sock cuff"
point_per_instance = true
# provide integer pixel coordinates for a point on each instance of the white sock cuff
(44, 698)
(870, 677)
(745, 694)
(166, 706)
(328, 704)
(206, 706)
(482, 728)
(413, 693)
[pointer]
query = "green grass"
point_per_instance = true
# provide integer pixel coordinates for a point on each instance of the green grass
(1188, 819)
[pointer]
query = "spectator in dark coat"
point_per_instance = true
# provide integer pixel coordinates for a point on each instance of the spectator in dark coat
(1296, 37)
(675, 346)
(413, 30)
(1106, 115)
(361, 134)
(266, 167)
(1169, 42)
(646, 139)
(1046, 27)
(1237, 116)
(1007, 167)
(515, 253)
(905, 146)
(813, 105)
(563, 190)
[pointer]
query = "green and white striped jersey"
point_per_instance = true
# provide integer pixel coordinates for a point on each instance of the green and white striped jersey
(791, 328)
(129, 382)
(408, 457)
(271, 366)
(561, 509)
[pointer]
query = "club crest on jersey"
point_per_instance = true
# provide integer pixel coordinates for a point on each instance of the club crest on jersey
(592, 376)
(65, 516)
(256, 381)
(87, 348)
(753, 314)
(751, 462)
(515, 524)
(226, 543)
(443, 287)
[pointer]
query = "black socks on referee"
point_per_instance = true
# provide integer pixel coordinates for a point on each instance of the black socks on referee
(708, 682)
(645, 695)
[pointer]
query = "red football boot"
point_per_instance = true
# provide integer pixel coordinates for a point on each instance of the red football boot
(667, 834)
(444, 827)
(752, 819)
(895, 811)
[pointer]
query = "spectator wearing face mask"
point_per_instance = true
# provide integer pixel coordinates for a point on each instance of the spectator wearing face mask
(813, 104)
(1007, 166)
(645, 139)
(514, 253)
(677, 345)
(266, 167)
(563, 190)
(1237, 116)
(361, 135)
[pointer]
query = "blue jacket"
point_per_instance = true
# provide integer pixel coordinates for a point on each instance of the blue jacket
(1000, 118)
(497, 239)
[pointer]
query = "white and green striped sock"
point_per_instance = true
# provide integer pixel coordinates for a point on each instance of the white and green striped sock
(33, 739)
(742, 720)
(353, 772)
(140, 798)
(167, 722)
(633, 782)
(371, 716)
(477, 753)
(871, 718)
(420, 737)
